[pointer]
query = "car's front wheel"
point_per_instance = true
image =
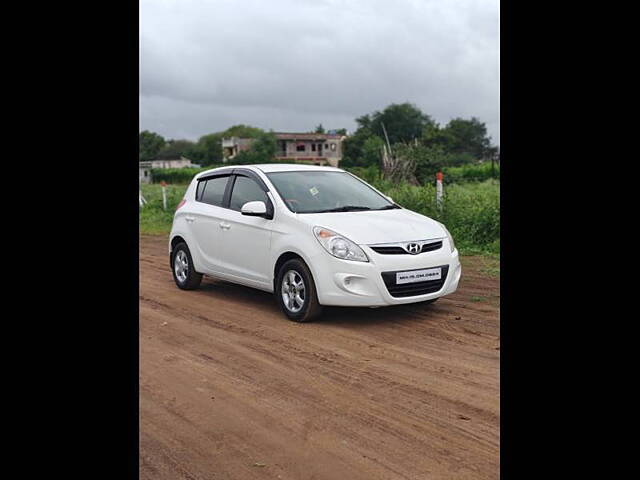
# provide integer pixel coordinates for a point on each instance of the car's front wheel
(296, 292)
(184, 273)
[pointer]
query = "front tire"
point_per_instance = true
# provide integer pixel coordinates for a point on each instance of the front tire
(296, 292)
(184, 273)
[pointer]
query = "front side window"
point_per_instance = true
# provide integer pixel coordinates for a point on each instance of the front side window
(319, 192)
(246, 190)
(213, 192)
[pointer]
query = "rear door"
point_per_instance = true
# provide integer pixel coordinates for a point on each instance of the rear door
(207, 220)
(245, 241)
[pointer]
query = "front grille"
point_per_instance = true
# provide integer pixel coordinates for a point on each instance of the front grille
(390, 250)
(427, 247)
(413, 289)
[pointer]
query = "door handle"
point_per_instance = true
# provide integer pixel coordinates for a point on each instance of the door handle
(189, 219)
(225, 225)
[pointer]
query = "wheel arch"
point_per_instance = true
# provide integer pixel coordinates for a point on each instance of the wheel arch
(282, 259)
(175, 240)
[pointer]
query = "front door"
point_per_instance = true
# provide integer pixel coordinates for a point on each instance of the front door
(246, 241)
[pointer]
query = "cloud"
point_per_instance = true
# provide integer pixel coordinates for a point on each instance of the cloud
(291, 64)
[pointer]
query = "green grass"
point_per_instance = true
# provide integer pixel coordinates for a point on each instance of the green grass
(471, 172)
(491, 266)
(153, 219)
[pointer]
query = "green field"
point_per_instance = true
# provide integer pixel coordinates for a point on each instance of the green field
(471, 211)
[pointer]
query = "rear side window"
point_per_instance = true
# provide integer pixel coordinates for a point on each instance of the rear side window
(213, 191)
(246, 190)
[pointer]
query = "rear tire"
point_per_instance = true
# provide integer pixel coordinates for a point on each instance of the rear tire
(184, 273)
(296, 292)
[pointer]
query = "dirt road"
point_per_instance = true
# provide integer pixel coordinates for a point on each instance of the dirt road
(230, 389)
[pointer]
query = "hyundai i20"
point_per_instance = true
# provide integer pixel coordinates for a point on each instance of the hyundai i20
(313, 236)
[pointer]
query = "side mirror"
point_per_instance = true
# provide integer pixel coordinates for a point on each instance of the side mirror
(254, 209)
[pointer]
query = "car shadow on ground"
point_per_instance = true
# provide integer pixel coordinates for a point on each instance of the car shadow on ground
(355, 316)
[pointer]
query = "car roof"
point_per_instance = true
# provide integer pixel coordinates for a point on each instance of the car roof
(294, 167)
(275, 167)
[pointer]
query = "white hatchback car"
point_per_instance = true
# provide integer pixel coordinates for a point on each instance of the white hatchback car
(312, 235)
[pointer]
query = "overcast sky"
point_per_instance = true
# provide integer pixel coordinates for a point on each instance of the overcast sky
(289, 65)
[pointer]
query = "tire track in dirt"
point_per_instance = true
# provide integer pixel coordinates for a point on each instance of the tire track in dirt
(230, 389)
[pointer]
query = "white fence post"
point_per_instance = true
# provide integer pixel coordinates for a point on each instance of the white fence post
(141, 198)
(164, 194)
(439, 177)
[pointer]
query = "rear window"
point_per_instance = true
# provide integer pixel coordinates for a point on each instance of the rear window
(213, 190)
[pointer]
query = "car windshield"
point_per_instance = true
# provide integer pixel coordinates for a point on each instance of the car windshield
(320, 192)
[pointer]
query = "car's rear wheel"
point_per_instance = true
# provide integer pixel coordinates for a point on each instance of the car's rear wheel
(184, 274)
(296, 292)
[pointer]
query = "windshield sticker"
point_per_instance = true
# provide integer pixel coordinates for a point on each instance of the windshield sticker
(314, 191)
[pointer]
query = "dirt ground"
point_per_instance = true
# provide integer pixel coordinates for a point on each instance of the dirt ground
(230, 389)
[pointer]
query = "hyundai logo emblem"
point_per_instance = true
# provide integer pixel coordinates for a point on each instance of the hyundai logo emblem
(413, 248)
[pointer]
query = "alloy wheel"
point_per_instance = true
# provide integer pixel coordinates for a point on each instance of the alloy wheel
(181, 266)
(293, 291)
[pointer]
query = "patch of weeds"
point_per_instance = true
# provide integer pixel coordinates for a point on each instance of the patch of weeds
(491, 267)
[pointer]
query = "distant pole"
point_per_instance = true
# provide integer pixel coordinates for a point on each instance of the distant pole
(141, 198)
(164, 194)
(439, 177)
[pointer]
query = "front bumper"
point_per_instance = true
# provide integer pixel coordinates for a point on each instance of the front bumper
(360, 284)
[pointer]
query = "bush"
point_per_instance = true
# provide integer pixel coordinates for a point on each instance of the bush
(471, 212)
(176, 175)
(370, 174)
(477, 172)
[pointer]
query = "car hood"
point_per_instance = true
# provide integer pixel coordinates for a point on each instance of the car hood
(378, 226)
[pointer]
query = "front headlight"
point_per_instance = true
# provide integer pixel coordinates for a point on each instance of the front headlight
(449, 237)
(339, 246)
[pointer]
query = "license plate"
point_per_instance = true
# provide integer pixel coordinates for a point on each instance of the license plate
(419, 275)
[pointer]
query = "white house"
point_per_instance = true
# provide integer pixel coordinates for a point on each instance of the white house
(145, 167)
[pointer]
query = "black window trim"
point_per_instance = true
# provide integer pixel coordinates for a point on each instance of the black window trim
(224, 195)
(261, 184)
(232, 173)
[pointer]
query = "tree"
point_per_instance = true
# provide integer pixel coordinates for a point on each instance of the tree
(319, 129)
(262, 150)
(149, 145)
(208, 150)
(403, 122)
(468, 136)
(352, 148)
(372, 150)
(429, 160)
(174, 149)
(242, 131)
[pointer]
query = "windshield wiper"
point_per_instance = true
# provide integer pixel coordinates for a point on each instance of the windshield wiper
(346, 208)
(389, 207)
